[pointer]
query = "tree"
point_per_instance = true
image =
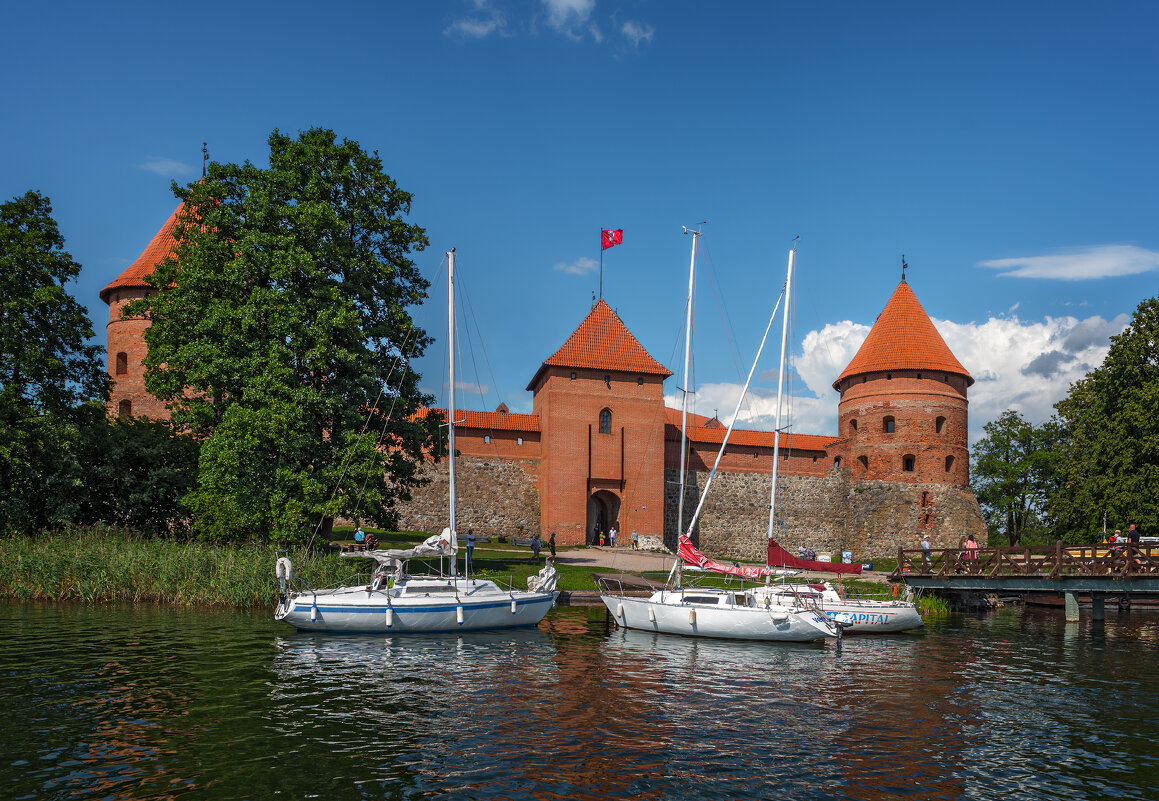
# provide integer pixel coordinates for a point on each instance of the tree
(48, 369)
(280, 319)
(137, 471)
(1110, 461)
(1012, 472)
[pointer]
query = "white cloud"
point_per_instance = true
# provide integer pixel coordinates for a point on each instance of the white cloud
(1024, 365)
(568, 17)
(164, 166)
(486, 21)
(637, 32)
(581, 266)
(1106, 261)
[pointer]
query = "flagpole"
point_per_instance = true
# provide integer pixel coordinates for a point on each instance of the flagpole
(601, 264)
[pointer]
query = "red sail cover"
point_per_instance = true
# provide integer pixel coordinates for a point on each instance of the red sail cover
(779, 557)
(691, 556)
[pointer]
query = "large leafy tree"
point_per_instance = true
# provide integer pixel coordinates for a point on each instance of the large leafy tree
(48, 366)
(1110, 462)
(1013, 471)
(281, 331)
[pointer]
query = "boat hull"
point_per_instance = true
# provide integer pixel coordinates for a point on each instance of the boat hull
(857, 615)
(671, 616)
(358, 610)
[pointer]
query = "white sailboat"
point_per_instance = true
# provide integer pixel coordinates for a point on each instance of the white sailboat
(699, 611)
(395, 600)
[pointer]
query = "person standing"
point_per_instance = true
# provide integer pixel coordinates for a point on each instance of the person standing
(1134, 535)
(635, 541)
(536, 543)
(551, 544)
(612, 535)
(971, 549)
(359, 535)
(470, 547)
(926, 553)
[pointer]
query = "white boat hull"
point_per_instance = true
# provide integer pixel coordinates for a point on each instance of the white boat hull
(360, 610)
(665, 612)
(857, 616)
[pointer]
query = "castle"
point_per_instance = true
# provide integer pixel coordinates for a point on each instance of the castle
(600, 447)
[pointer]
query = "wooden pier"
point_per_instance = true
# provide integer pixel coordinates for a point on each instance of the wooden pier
(1102, 570)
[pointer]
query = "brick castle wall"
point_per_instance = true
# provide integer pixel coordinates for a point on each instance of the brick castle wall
(126, 350)
(495, 496)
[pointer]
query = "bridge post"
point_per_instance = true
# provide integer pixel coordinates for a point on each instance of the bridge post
(1072, 607)
(1097, 610)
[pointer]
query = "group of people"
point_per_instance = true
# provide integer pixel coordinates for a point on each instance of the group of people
(601, 537)
(1134, 535)
(808, 554)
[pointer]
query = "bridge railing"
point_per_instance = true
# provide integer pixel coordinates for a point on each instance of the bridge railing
(1118, 560)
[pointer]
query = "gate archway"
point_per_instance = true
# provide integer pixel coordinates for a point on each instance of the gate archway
(603, 511)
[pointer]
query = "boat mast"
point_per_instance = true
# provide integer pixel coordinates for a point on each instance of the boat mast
(780, 390)
(451, 403)
(685, 388)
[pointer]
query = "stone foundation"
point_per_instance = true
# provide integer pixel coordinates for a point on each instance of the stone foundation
(496, 497)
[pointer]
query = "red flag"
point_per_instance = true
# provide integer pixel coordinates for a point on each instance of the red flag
(610, 238)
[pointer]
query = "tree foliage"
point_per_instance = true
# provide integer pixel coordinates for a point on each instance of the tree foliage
(48, 368)
(1013, 472)
(1110, 460)
(282, 316)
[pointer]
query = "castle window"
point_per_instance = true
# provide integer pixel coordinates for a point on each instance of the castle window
(889, 376)
(125, 408)
(887, 425)
(939, 424)
(907, 463)
(608, 381)
(605, 421)
(486, 438)
(122, 363)
(863, 463)
(836, 461)
(640, 381)
(919, 376)
(573, 376)
(853, 426)
(519, 440)
(949, 463)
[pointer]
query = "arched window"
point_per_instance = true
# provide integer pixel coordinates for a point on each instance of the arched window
(887, 425)
(836, 461)
(939, 424)
(853, 426)
(949, 463)
(122, 363)
(605, 421)
(125, 408)
(863, 463)
(907, 463)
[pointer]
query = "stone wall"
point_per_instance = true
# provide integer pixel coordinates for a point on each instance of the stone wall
(830, 514)
(495, 497)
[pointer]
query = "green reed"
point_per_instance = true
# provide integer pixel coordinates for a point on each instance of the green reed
(933, 605)
(101, 565)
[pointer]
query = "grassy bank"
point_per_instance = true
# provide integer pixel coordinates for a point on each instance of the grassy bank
(104, 565)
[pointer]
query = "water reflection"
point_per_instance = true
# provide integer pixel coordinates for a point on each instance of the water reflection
(156, 703)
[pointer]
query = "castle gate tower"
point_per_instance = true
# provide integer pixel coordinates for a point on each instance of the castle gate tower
(600, 402)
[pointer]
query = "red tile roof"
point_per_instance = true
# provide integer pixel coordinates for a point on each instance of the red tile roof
(495, 421)
(710, 431)
(603, 342)
(903, 338)
(162, 246)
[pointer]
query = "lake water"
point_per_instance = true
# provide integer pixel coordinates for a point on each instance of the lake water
(146, 702)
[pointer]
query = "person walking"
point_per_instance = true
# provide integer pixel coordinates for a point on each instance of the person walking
(551, 544)
(926, 553)
(971, 549)
(470, 547)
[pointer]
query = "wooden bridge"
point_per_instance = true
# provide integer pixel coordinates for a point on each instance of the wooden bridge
(1121, 569)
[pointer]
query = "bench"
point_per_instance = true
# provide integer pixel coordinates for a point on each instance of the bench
(521, 542)
(479, 539)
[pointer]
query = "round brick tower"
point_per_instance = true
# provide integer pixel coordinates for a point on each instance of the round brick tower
(125, 337)
(903, 408)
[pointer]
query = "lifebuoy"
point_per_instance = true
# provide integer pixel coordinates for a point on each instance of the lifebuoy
(284, 570)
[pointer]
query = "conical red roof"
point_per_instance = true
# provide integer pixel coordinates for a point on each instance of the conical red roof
(603, 342)
(903, 338)
(162, 246)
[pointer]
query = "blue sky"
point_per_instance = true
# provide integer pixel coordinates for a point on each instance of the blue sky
(1008, 150)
